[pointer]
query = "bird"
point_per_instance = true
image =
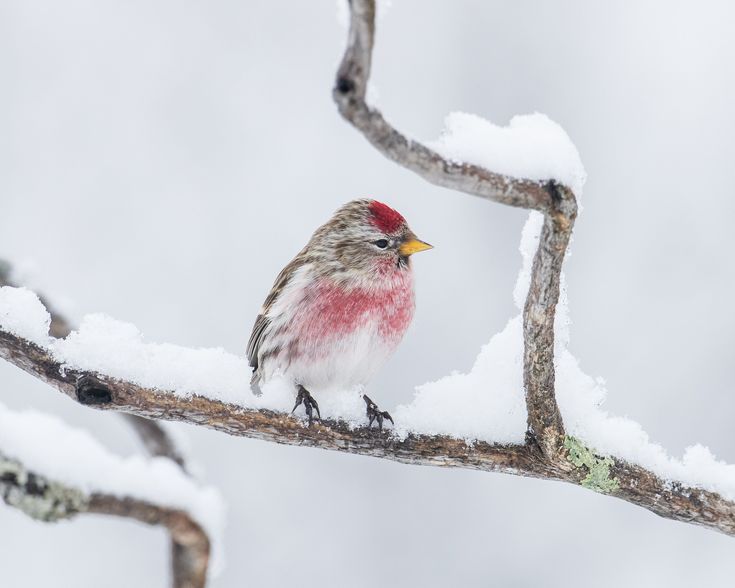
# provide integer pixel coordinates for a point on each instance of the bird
(340, 308)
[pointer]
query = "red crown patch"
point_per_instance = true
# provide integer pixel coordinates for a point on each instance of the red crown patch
(385, 218)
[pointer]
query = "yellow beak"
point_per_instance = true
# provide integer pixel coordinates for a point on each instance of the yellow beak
(413, 245)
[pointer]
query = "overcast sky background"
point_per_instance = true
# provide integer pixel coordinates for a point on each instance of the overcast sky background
(161, 160)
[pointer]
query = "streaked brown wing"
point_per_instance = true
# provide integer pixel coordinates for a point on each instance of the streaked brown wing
(260, 328)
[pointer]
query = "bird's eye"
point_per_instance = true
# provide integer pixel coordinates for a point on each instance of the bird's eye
(381, 243)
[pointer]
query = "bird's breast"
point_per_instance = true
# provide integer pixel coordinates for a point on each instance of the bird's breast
(339, 336)
(335, 310)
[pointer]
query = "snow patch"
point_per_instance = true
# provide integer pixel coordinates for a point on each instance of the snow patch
(48, 446)
(486, 404)
(118, 349)
(22, 314)
(531, 146)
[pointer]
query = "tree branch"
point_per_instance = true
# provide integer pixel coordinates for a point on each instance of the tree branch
(349, 94)
(557, 202)
(48, 501)
(610, 476)
(549, 453)
(187, 561)
(190, 545)
(155, 439)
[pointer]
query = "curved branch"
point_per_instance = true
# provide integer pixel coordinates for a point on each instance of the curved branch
(349, 93)
(628, 482)
(190, 545)
(46, 500)
(545, 426)
(549, 454)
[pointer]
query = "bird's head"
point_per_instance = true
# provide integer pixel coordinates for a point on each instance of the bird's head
(368, 236)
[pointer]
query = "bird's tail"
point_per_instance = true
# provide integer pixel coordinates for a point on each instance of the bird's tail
(255, 383)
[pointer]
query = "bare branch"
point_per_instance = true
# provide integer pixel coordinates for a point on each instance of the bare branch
(190, 545)
(544, 419)
(155, 439)
(610, 476)
(557, 202)
(48, 501)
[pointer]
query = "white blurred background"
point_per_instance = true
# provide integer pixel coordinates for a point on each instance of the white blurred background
(161, 160)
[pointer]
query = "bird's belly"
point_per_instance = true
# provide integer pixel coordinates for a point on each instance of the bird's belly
(339, 338)
(343, 362)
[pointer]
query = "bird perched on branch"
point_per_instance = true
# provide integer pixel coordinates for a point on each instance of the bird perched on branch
(340, 308)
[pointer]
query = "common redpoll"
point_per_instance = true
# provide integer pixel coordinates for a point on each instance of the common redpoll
(339, 309)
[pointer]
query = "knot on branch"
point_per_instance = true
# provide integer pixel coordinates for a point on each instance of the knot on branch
(92, 391)
(552, 187)
(344, 85)
(563, 207)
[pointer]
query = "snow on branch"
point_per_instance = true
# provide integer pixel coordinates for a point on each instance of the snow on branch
(703, 496)
(154, 438)
(523, 166)
(476, 157)
(189, 559)
(476, 420)
(51, 471)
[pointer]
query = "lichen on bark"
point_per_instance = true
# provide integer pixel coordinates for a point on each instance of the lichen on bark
(598, 476)
(38, 497)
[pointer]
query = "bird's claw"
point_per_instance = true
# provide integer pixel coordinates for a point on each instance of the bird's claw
(310, 404)
(375, 414)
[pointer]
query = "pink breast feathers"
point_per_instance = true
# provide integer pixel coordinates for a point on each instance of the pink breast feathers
(335, 312)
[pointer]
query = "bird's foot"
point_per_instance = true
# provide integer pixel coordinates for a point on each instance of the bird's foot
(303, 397)
(375, 414)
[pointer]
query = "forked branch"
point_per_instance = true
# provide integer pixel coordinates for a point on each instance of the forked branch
(557, 202)
(549, 454)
